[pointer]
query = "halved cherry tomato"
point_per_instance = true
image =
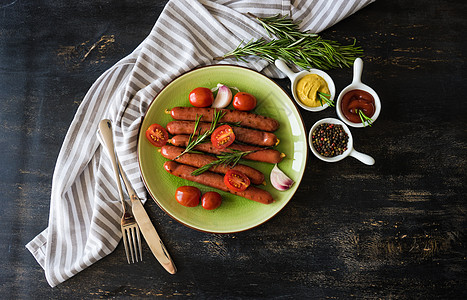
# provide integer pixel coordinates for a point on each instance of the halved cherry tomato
(157, 135)
(244, 101)
(188, 195)
(211, 200)
(201, 97)
(236, 180)
(222, 137)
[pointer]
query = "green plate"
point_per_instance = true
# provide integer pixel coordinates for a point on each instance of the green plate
(236, 213)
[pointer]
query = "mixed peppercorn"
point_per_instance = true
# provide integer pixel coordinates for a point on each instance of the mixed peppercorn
(330, 139)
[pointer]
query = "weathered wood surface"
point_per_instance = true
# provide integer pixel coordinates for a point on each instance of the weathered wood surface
(393, 230)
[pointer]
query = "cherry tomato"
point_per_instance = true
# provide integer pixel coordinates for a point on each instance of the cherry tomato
(201, 97)
(157, 135)
(236, 180)
(211, 200)
(188, 195)
(244, 101)
(222, 137)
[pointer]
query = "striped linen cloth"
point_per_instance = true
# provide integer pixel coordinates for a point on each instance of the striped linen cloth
(85, 212)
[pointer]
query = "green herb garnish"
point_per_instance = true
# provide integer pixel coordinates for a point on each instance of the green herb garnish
(225, 158)
(304, 49)
(364, 118)
(326, 98)
(235, 124)
(197, 137)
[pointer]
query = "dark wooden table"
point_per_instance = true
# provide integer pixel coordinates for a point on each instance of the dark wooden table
(393, 230)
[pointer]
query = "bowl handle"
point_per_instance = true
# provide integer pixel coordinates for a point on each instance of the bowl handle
(357, 71)
(364, 158)
(281, 65)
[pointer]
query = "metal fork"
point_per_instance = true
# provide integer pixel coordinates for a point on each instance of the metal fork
(130, 229)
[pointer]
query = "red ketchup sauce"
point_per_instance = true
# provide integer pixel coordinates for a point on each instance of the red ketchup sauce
(355, 100)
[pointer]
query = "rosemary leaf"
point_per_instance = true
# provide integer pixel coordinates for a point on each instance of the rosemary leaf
(204, 168)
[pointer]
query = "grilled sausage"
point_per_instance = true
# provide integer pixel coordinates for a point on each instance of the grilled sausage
(245, 135)
(199, 160)
(246, 119)
(215, 180)
(264, 155)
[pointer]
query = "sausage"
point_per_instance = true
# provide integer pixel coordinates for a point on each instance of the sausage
(215, 180)
(245, 135)
(246, 119)
(263, 155)
(199, 160)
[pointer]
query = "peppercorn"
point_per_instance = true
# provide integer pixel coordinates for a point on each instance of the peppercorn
(330, 139)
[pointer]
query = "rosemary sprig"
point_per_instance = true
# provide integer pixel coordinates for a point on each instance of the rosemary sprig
(304, 49)
(225, 158)
(197, 137)
(326, 98)
(364, 118)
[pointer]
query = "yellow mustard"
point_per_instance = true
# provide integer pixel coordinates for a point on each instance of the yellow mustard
(308, 87)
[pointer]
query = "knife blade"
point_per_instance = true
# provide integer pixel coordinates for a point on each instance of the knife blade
(147, 228)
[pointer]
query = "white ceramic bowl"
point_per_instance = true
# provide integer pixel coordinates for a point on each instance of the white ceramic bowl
(358, 85)
(364, 158)
(295, 77)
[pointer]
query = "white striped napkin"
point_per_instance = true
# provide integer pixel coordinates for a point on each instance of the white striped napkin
(84, 221)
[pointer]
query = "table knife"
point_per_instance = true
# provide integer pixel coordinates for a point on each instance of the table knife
(147, 228)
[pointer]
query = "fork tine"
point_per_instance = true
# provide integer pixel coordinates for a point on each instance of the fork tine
(134, 231)
(134, 253)
(132, 250)
(125, 243)
(138, 235)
